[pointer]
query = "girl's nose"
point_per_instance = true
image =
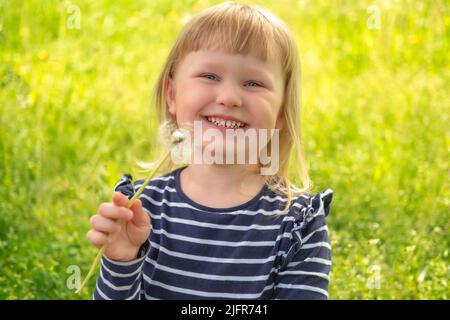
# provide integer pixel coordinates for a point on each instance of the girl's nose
(228, 95)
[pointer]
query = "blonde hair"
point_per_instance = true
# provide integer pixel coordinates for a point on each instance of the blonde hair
(244, 29)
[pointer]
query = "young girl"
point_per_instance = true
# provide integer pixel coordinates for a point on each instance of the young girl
(212, 230)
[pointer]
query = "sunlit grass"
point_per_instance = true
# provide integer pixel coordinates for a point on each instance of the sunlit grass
(75, 115)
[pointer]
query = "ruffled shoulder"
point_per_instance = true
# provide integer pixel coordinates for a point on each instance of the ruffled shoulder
(125, 185)
(307, 207)
(309, 223)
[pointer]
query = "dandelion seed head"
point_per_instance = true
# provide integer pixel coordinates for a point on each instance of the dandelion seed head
(181, 144)
(165, 130)
(177, 136)
(170, 133)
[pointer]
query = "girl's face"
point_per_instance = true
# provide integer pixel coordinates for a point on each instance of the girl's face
(221, 85)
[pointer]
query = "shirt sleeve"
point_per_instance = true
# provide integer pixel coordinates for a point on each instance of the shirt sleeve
(305, 268)
(121, 280)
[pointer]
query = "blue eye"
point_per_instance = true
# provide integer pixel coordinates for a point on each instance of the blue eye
(209, 76)
(256, 84)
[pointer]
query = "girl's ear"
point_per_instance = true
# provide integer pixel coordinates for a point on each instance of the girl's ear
(170, 96)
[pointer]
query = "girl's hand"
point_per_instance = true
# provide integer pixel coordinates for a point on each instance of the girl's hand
(126, 237)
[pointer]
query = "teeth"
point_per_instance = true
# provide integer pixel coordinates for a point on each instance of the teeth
(225, 123)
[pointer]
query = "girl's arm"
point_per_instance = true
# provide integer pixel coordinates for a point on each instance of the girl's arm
(121, 280)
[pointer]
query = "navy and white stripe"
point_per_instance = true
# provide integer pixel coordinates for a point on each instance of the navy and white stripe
(243, 252)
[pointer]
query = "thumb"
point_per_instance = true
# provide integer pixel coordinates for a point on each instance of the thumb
(140, 217)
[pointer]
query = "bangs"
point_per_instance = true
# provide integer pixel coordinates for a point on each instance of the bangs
(237, 30)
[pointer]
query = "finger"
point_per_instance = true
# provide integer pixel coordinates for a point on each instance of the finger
(97, 238)
(140, 218)
(108, 210)
(119, 199)
(100, 223)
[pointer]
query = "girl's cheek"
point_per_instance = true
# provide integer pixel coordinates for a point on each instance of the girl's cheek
(192, 83)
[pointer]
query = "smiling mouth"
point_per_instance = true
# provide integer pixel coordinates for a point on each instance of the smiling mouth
(229, 124)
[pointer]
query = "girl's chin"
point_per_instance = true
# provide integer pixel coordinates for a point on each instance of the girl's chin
(223, 151)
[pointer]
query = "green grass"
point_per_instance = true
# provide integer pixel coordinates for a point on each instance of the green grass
(75, 115)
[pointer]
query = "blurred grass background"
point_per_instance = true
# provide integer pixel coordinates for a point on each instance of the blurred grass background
(75, 115)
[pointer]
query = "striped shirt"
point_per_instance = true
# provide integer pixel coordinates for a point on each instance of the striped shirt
(243, 252)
